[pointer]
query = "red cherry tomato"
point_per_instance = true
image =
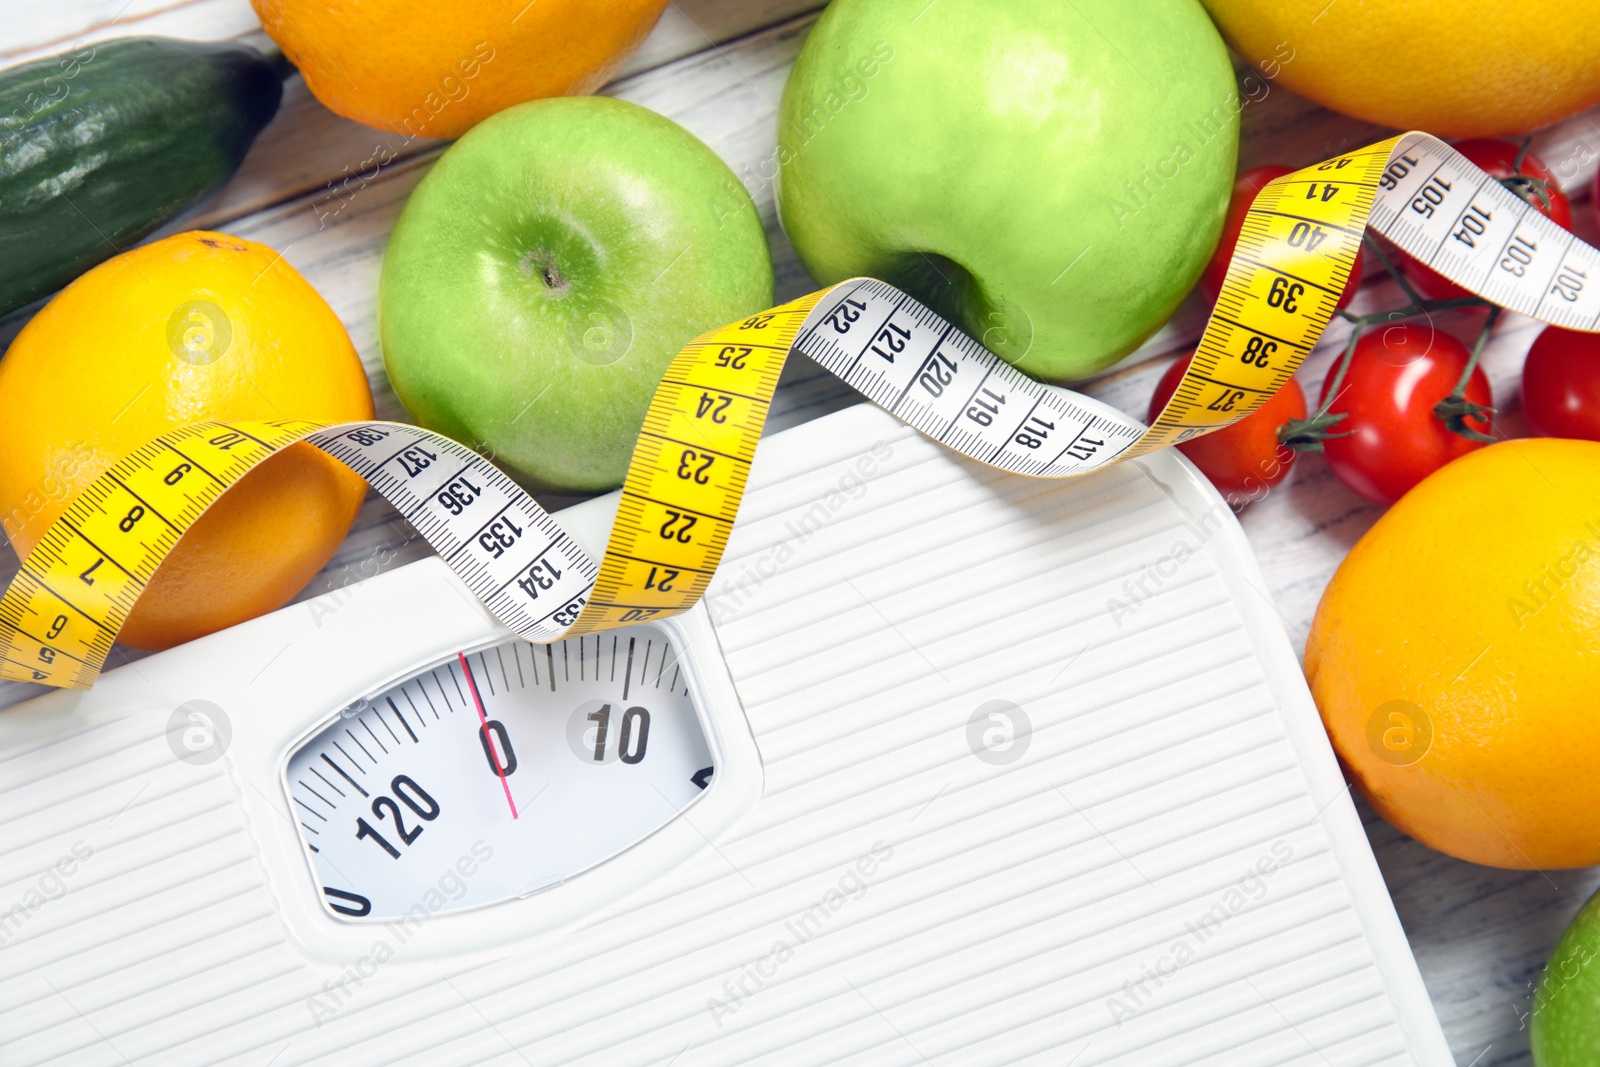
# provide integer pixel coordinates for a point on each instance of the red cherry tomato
(1561, 384)
(1394, 440)
(1243, 460)
(1498, 159)
(1245, 188)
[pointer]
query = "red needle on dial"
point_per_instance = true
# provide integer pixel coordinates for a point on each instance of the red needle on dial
(483, 719)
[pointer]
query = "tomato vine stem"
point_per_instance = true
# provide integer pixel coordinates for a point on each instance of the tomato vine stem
(1308, 434)
(1456, 409)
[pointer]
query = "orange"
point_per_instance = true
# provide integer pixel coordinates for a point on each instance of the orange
(1456, 68)
(197, 326)
(422, 70)
(1455, 657)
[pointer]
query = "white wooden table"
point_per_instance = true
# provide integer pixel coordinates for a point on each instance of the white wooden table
(718, 66)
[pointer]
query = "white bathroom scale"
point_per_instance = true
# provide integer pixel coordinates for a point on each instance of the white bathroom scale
(950, 767)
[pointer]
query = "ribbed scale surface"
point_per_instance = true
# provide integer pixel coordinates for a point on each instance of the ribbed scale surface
(1010, 908)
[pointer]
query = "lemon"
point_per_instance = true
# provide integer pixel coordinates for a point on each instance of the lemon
(1455, 657)
(1455, 68)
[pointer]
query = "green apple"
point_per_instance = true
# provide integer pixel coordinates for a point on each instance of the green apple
(545, 272)
(1566, 1006)
(1051, 175)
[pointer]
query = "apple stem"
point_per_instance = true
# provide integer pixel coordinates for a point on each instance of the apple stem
(548, 272)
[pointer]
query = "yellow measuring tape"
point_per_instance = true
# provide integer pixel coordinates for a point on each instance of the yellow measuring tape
(62, 612)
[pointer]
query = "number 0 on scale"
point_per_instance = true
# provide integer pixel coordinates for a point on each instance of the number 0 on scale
(498, 773)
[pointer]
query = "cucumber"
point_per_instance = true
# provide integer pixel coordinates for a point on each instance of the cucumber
(100, 146)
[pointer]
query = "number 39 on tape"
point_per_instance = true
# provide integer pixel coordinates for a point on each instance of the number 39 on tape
(62, 612)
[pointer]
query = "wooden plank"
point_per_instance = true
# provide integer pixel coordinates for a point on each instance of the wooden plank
(37, 28)
(307, 147)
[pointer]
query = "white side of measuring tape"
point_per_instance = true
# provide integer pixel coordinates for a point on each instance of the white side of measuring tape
(61, 614)
(506, 548)
(1449, 214)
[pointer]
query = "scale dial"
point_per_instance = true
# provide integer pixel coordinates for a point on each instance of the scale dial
(498, 774)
